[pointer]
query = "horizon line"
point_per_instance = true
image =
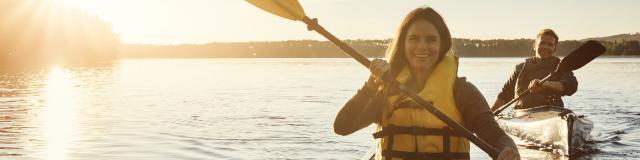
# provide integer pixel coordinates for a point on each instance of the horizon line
(325, 40)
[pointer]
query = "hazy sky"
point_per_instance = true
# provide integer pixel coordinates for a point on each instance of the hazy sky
(203, 21)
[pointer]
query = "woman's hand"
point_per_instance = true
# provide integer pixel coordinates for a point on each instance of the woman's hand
(378, 68)
(509, 154)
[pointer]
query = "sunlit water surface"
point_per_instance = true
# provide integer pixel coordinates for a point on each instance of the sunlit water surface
(253, 108)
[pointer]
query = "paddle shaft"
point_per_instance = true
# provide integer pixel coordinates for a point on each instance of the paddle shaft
(312, 24)
(524, 93)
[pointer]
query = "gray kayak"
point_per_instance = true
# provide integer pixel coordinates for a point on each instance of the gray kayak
(550, 127)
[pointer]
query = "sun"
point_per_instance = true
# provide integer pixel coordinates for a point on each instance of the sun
(86, 5)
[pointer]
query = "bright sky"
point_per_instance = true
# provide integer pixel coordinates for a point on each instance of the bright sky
(203, 21)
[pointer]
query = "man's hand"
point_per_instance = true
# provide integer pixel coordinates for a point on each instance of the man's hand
(535, 86)
(555, 86)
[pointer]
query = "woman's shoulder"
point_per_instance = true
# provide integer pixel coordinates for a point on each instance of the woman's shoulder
(465, 91)
(464, 86)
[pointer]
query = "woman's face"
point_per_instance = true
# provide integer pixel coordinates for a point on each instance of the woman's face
(422, 45)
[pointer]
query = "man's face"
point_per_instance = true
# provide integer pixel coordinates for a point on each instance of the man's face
(545, 46)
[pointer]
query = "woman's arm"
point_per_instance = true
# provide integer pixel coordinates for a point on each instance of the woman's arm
(359, 112)
(479, 119)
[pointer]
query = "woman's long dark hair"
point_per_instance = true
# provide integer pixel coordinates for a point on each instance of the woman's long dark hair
(395, 53)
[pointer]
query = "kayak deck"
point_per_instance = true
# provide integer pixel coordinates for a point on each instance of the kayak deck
(550, 127)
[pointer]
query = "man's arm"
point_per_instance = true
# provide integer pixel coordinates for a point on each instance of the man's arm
(555, 86)
(499, 102)
(508, 89)
(567, 85)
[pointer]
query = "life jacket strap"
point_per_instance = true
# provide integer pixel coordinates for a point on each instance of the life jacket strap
(424, 155)
(392, 130)
(406, 104)
(445, 132)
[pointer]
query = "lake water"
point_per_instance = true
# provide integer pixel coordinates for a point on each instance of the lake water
(253, 108)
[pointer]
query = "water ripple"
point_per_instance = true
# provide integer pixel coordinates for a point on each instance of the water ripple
(238, 109)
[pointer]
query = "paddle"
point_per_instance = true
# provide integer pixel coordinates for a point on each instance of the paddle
(292, 10)
(575, 60)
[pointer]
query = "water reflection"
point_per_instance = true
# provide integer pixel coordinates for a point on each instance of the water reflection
(279, 108)
(58, 120)
(44, 113)
(14, 112)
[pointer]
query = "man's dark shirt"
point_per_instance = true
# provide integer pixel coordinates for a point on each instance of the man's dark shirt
(534, 68)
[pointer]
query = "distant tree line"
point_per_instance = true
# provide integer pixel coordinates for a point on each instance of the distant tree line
(623, 47)
(524, 47)
(36, 32)
(370, 48)
(266, 49)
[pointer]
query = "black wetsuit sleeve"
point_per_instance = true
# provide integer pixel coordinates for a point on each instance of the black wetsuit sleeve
(570, 84)
(360, 111)
(508, 88)
(479, 119)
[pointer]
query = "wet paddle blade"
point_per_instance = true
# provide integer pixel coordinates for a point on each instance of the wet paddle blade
(581, 56)
(289, 9)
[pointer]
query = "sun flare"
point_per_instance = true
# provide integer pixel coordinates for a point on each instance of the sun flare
(59, 114)
(86, 5)
(44, 32)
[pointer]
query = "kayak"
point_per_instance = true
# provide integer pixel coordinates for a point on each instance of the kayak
(550, 127)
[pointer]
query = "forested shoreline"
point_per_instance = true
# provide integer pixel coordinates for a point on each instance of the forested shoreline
(370, 48)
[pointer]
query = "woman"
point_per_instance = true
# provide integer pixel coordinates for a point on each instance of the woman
(418, 57)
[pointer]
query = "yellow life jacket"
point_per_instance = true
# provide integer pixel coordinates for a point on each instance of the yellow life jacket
(408, 131)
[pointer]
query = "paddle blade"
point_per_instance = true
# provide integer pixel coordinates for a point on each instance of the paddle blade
(581, 56)
(289, 9)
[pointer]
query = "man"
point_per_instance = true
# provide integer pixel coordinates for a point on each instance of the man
(529, 73)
